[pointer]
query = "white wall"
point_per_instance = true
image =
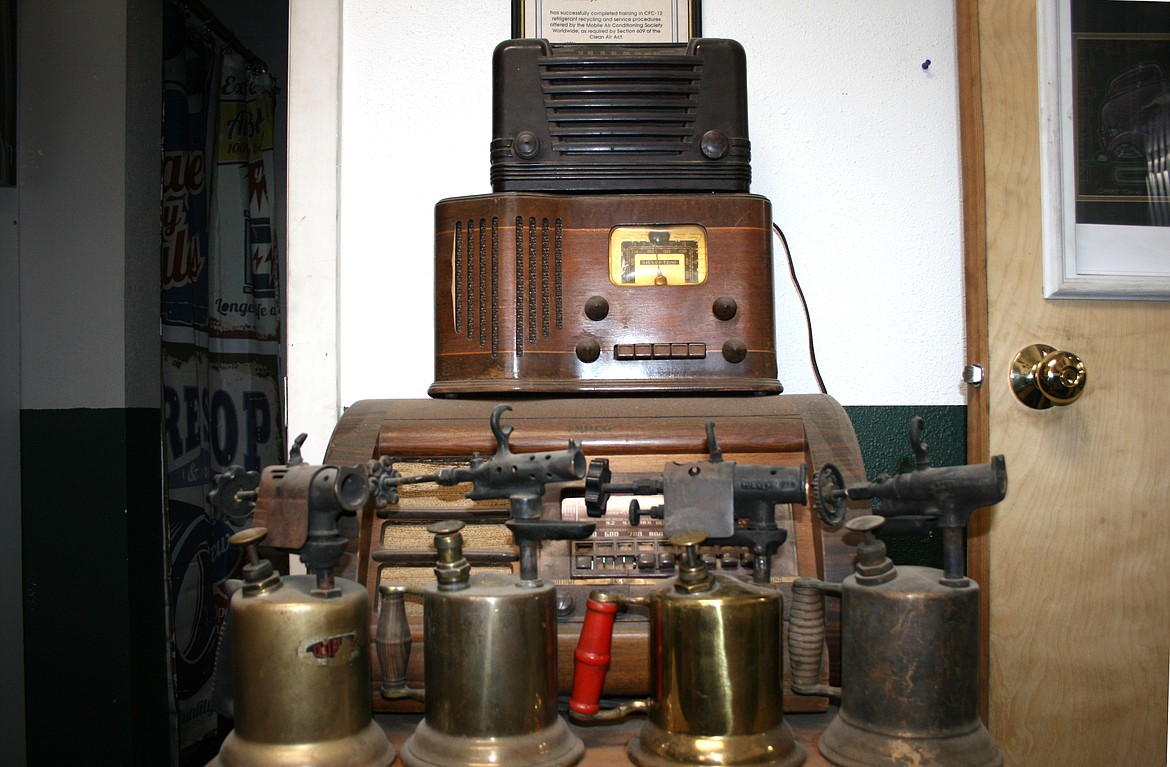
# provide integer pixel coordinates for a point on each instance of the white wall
(71, 345)
(855, 143)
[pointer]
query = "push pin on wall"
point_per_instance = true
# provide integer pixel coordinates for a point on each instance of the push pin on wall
(926, 64)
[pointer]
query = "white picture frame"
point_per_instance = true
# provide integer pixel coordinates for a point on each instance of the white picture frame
(1084, 260)
(607, 21)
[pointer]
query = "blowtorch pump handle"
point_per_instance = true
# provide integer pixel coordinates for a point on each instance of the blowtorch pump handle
(592, 656)
(806, 636)
(592, 661)
(392, 641)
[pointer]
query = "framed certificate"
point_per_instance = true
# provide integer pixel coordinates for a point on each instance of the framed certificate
(607, 21)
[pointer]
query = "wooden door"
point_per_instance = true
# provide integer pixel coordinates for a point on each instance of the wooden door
(1078, 553)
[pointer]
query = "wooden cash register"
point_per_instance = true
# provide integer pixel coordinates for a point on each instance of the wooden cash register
(638, 436)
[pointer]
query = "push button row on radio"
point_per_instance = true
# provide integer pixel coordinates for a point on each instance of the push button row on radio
(660, 351)
(643, 561)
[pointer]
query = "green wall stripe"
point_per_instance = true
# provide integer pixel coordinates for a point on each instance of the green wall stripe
(94, 585)
(883, 433)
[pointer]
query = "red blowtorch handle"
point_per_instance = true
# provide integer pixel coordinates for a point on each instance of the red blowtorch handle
(592, 656)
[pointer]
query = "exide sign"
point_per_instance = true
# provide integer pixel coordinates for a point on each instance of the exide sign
(229, 426)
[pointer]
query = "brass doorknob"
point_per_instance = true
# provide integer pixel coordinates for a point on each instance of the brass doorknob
(1042, 377)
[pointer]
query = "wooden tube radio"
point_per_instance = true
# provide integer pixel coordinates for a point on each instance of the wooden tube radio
(577, 294)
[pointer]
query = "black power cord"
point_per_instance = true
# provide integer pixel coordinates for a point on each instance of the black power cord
(812, 353)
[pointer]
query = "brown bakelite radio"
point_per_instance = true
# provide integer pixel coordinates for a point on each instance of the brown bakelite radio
(620, 118)
(571, 294)
(638, 436)
(620, 251)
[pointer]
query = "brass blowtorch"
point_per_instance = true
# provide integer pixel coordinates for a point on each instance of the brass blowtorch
(909, 690)
(299, 644)
(715, 670)
(733, 504)
(490, 638)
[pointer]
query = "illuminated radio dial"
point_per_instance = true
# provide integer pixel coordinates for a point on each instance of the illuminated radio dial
(648, 256)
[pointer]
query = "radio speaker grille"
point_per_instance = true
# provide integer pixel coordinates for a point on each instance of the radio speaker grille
(643, 105)
(538, 255)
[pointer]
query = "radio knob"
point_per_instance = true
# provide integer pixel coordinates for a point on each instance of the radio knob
(596, 308)
(588, 350)
(724, 308)
(715, 144)
(734, 350)
(526, 145)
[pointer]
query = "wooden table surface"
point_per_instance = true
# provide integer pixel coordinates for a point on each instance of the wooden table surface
(605, 745)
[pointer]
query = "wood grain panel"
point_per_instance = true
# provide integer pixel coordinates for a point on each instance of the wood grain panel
(1079, 622)
(975, 302)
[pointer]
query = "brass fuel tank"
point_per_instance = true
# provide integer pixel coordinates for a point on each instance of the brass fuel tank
(715, 670)
(490, 666)
(909, 693)
(302, 673)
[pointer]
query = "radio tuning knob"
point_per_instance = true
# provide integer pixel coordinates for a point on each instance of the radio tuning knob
(597, 308)
(715, 144)
(734, 350)
(724, 308)
(588, 350)
(526, 145)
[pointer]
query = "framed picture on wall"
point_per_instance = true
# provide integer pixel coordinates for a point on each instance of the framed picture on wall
(607, 21)
(1105, 125)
